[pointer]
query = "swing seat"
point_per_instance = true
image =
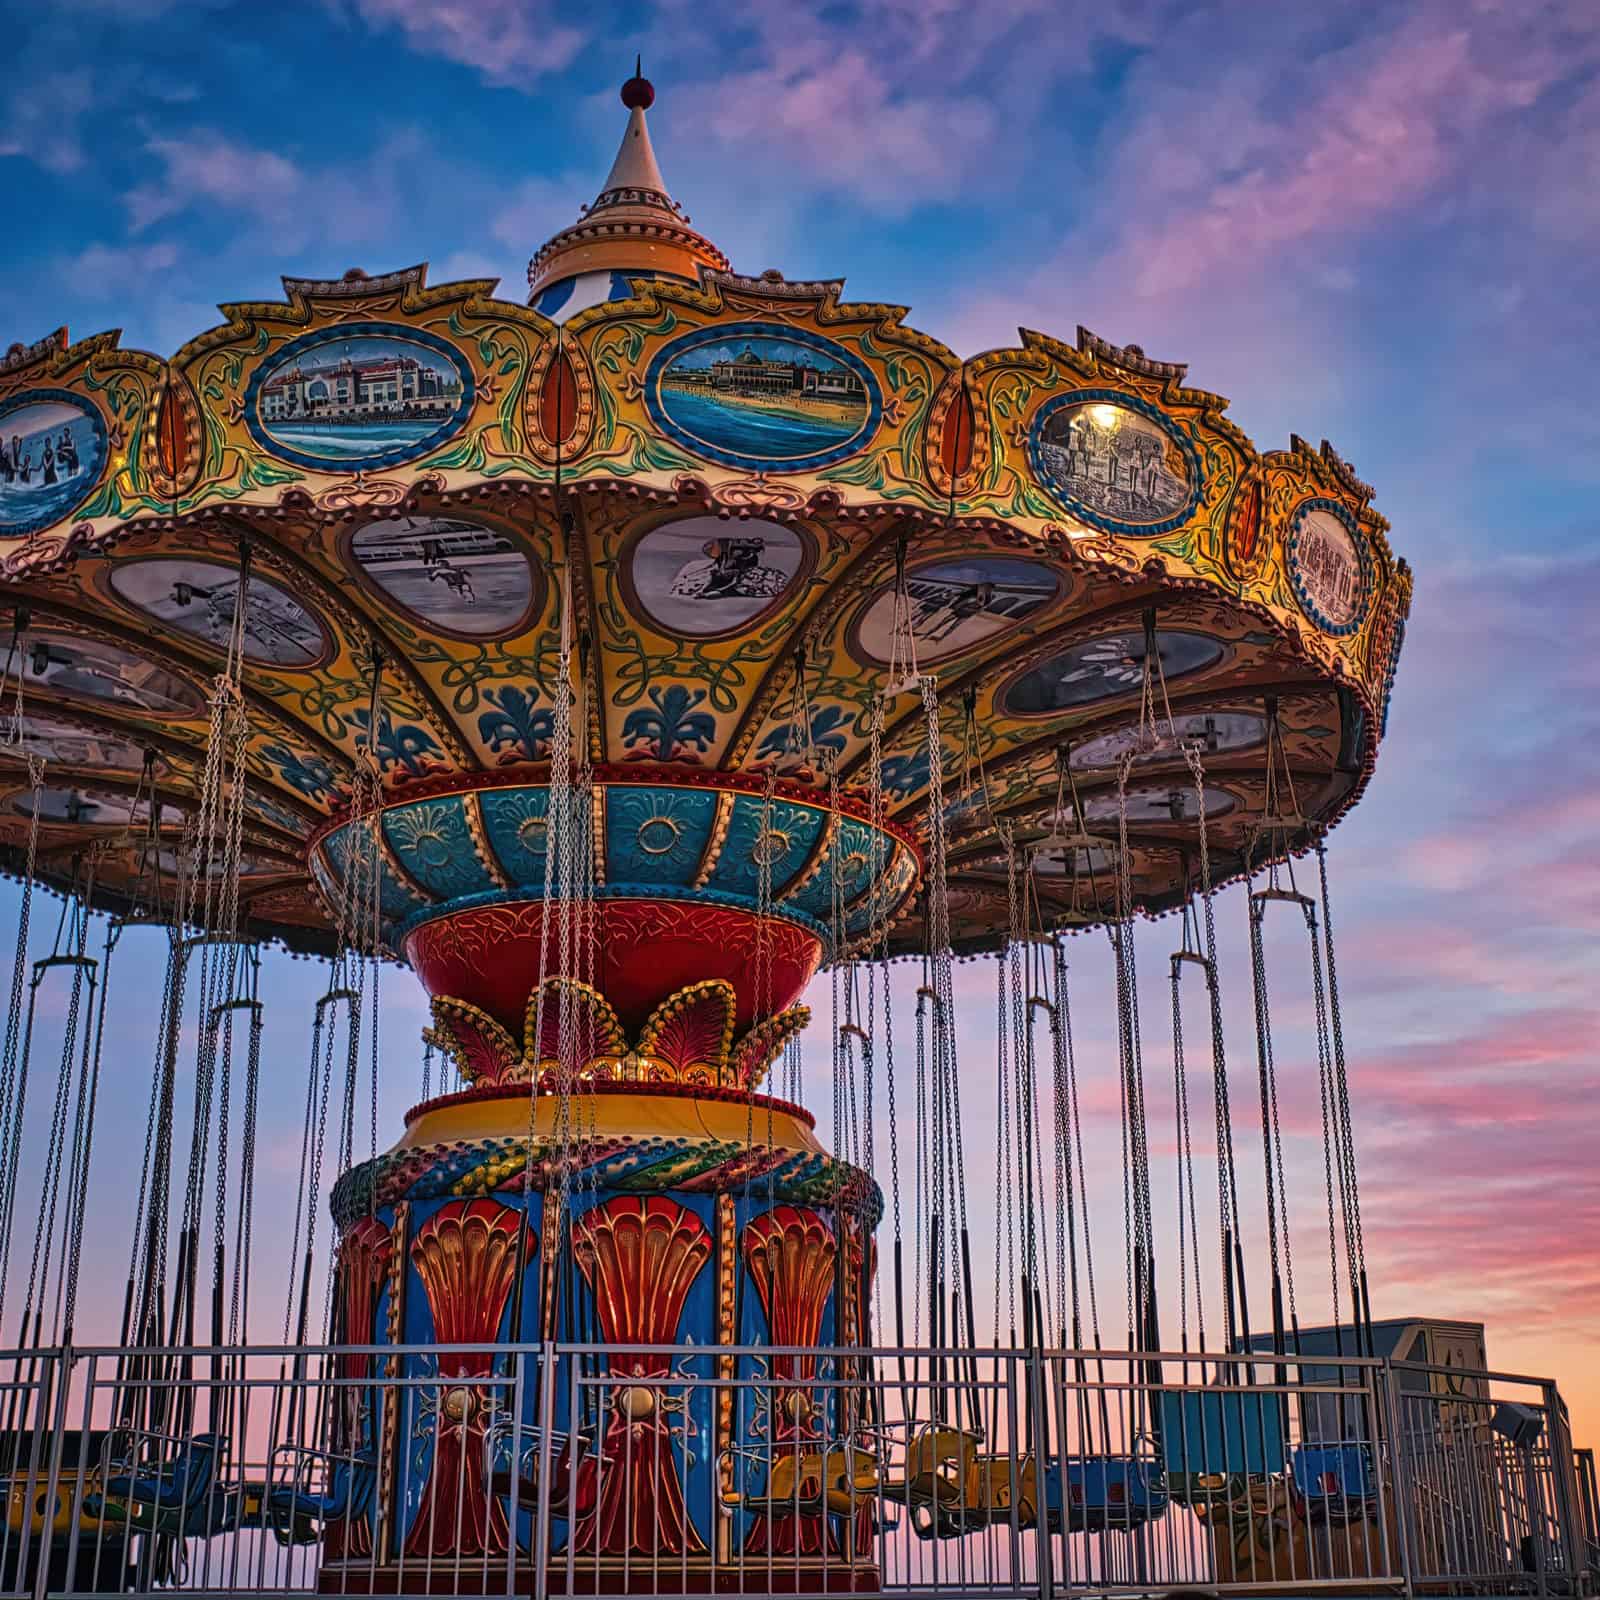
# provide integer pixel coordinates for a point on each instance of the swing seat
(297, 1514)
(939, 1460)
(807, 1480)
(170, 1498)
(503, 1479)
(58, 1522)
(986, 1500)
(1221, 1433)
(1105, 1494)
(1334, 1483)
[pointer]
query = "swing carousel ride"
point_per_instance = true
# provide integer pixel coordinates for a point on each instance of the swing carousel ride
(619, 662)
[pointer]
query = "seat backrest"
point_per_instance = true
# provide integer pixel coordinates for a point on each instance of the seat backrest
(937, 1444)
(1216, 1432)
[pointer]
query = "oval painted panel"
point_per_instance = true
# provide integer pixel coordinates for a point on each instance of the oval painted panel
(80, 809)
(701, 577)
(1211, 733)
(955, 443)
(1157, 806)
(1114, 462)
(1329, 568)
(558, 400)
(956, 606)
(52, 447)
(105, 674)
(457, 576)
(747, 396)
(1104, 668)
(367, 394)
(172, 440)
(196, 598)
(64, 745)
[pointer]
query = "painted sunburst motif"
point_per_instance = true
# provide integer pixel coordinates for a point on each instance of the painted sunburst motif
(670, 835)
(423, 831)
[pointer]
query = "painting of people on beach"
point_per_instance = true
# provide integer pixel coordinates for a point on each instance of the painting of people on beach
(955, 606)
(93, 670)
(52, 447)
(197, 598)
(1114, 464)
(359, 396)
(701, 577)
(459, 576)
(748, 397)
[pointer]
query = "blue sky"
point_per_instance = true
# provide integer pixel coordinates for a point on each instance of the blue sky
(1376, 222)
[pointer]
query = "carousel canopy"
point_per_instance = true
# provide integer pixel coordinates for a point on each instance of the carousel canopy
(752, 491)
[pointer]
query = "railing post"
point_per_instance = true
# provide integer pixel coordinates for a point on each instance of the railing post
(540, 1542)
(1043, 1543)
(1402, 1491)
(58, 1434)
(1572, 1558)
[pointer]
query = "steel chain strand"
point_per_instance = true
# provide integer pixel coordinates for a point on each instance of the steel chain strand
(80, 1207)
(238, 1318)
(1341, 1076)
(1325, 1100)
(32, 1306)
(1003, 1191)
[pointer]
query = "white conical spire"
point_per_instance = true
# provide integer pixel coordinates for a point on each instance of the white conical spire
(635, 166)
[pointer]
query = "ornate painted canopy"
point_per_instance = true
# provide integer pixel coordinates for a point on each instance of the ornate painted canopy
(745, 464)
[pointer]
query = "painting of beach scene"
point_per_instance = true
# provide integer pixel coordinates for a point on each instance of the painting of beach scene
(458, 576)
(197, 598)
(52, 447)
(955, 606)
(1118, 465)
(91, 669)
(360, 396)
(749, 397)
(702, 577)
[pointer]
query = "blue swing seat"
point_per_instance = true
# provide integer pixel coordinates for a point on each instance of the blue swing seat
(1104, 1494)
(166, 1497)
(297, 1515)
(1221, 1434)
(1334, 1482)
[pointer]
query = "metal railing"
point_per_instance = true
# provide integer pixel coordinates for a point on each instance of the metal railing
(591, 1470)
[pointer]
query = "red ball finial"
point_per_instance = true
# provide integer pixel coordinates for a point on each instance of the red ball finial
(638, 93)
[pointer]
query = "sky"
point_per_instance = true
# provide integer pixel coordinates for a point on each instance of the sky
(1375, 223)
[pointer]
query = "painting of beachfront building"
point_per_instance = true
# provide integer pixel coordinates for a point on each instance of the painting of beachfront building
(1114, 462)
(1327, 569)
(52, 447)
(337, 399)
(753, 398)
